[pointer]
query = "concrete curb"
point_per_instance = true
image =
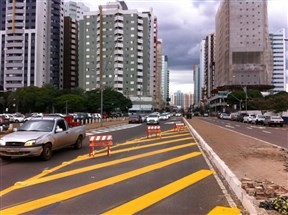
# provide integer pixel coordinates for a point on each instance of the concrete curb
(232, 180)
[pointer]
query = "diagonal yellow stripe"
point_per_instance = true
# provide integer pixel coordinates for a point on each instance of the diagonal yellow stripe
(155, 196)
(98, 166)
(39, 177)
(224, 211)
(42, 202)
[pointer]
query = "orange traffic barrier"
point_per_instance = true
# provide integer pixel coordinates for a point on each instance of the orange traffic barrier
(153, 129)
(179, 126)
(105, 140)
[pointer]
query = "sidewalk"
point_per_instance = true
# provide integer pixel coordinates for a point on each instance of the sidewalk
(246, 157)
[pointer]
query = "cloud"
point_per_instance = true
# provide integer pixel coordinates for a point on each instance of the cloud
(184, 23)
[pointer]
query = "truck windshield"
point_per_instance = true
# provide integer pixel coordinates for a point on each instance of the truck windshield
(37, 125)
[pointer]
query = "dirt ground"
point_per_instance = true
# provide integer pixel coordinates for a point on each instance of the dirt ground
(246, 157)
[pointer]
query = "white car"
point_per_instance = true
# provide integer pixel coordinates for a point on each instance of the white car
(178, 114)
(248, 118)
(18, 118)
(164, 116)
(152, 119)
(259, 119)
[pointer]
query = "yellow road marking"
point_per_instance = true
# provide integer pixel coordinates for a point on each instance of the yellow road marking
(86, 157)
(98, 166)
(40, 177)
(45, 201)
(224, 211)
(155, 196)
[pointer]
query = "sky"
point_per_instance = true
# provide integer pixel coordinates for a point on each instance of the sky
(182, 24)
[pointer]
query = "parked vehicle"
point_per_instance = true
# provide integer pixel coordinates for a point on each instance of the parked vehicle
(273, 120)
(248, 118)
(178, 114)
(135, 118)
(258, 119)
(32, 115)
(4, 123)
(40, 137)
(241, 116)
(152, 119)
(224, 116)
(17, 117)
(143, 117)
(164, 116)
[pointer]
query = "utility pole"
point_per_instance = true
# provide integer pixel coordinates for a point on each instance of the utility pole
(101, 64)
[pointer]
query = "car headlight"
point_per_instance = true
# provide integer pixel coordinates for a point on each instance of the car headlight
(30, 143)
(2, 142)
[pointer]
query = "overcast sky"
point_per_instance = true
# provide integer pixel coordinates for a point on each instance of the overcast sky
(183, 23)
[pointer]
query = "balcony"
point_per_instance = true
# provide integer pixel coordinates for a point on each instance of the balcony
(118, 52)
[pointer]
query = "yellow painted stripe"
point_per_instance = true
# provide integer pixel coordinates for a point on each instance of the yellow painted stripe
(98, 166)
(224, 211)
(155, 196)
(42, 202)
(37, 179)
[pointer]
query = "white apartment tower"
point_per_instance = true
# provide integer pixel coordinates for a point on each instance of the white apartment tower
(31, 38)
(279, 61)
(115, 49)
(75, 10)
(243, 52)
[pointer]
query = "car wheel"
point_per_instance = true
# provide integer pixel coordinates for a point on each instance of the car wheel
(78, 144)
(46, 153)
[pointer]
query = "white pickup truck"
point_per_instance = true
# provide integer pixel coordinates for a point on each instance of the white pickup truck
(40, 137)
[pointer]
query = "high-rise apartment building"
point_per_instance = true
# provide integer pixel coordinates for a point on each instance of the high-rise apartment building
(165, 78)
(279, 61)
(243, 52)
(115, 49)
(70, 62)
(207, 65)
(75, 10)
(197, 85)
(31, 37)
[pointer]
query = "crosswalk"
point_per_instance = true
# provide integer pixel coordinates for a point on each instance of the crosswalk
(110, 129)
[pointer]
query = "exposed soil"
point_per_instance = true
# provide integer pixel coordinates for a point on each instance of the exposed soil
(245, 156)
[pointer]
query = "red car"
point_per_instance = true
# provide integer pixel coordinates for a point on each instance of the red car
(135, 119)
(4, 122)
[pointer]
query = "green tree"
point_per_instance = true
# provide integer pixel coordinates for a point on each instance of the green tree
(73, 103)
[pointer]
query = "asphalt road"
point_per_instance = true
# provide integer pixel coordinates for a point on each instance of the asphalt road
(273, 135)
(166, 175)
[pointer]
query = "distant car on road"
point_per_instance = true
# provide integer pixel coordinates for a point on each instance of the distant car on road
(248, 118)
(164, 116)
(152, 119)
(135, 118)
(178, 114)
(224, 116)
(273, 120)
(258, 119)
(4, 123)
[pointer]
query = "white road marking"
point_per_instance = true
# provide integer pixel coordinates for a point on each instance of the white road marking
(268, 132)
(115, 128)
(229, 126)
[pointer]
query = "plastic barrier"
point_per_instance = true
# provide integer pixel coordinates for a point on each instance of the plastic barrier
(179, 126)
(153, 129)
(105, 140)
